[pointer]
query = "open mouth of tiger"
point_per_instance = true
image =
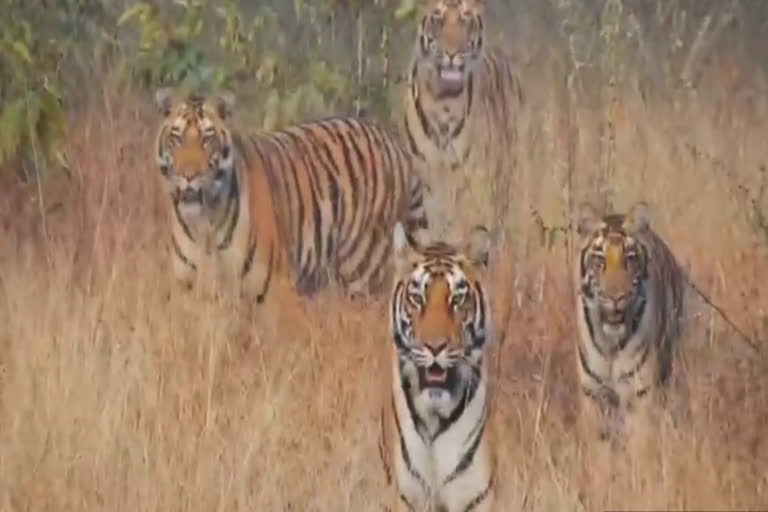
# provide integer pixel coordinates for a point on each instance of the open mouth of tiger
(437, 377)
(452, 74)
(190, 201)
(452, 79)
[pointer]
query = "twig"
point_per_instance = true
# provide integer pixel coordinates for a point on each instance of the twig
(750, 342)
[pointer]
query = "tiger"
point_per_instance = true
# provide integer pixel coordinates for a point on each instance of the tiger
(629, 309)
(435, 443)
(462, 103)
(305, 205)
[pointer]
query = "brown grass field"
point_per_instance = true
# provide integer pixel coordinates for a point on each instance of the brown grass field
(118, 392)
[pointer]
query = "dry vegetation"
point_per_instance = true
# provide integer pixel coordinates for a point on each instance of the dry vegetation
(118, 392)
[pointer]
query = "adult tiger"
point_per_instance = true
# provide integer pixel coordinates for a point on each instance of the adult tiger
(462, 104)
(629, 306)
(435, 440)
(303, 204)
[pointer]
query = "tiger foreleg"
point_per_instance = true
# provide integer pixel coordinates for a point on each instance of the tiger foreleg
(599, 417)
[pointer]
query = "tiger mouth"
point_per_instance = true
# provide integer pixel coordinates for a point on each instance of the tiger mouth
(435, 376)
(614, 318)
(452, 76)
(190, 195)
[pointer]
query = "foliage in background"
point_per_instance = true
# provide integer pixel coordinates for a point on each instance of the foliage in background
(287, 60)
(47, 48)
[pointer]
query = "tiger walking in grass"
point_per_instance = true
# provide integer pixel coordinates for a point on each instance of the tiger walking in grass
(436, 441)
(629, 307)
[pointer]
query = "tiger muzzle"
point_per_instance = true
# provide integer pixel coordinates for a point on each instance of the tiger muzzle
(613, 310)
(191, 195)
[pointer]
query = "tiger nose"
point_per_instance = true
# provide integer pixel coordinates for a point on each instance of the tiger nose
(436, 348)
(618, 301)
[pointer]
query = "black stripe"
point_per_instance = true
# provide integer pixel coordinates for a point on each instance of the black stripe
(586, 367)
(412, 142)
(234, 197)
(358, 215)
(424, 123)
(320, 149)
(469, 455)
(315, 192)
(481, 421)
(404, 450)
(264, 289)
(180, 255)
(634, 322)
(347, 169)
(631, 373)
(445, 423)
(477, 500)
(396, 297)
(418, 422)
(183, 224)
(470, 95)
(407, 503)
(287, 165)
(280, 187)
(382, 447)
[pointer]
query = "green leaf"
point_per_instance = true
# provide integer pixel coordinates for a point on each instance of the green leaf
(22, 51)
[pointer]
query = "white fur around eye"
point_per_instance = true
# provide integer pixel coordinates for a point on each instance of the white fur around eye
(414, 296)
(459, 298)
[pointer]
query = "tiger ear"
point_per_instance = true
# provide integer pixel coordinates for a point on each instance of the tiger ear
(587, 219)
(478, 246)
(638, 218)
(404, 253)
(164, 100)
(224, 103)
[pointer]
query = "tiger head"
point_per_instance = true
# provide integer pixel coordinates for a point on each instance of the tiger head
(194, 150)
(613, 267)
(450, 42)
(440, 317)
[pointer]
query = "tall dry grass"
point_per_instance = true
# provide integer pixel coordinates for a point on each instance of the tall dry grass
(119, 392)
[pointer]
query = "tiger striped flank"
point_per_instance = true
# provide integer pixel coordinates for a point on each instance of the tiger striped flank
(436, 441)
(629, 306)
(306, 205)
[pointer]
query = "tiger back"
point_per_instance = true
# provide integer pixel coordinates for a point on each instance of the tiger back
(436, 444)
(461, 108)
(629, 307)
(306, 205)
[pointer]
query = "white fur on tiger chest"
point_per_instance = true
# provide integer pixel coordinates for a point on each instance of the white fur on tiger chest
(436, 462)
(212, 264)
(611, 369)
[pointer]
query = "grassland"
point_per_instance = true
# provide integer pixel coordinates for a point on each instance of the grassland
(117, 392)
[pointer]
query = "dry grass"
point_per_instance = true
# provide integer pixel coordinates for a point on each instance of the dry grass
(118, 392)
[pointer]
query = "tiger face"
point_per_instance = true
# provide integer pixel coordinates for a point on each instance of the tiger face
(440, 319)
(194, 152)
(450, 43)
(614, 268)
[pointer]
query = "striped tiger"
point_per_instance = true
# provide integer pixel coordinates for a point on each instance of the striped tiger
(435, 438)
(303, 205)
(462, 103)
(629, 307)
